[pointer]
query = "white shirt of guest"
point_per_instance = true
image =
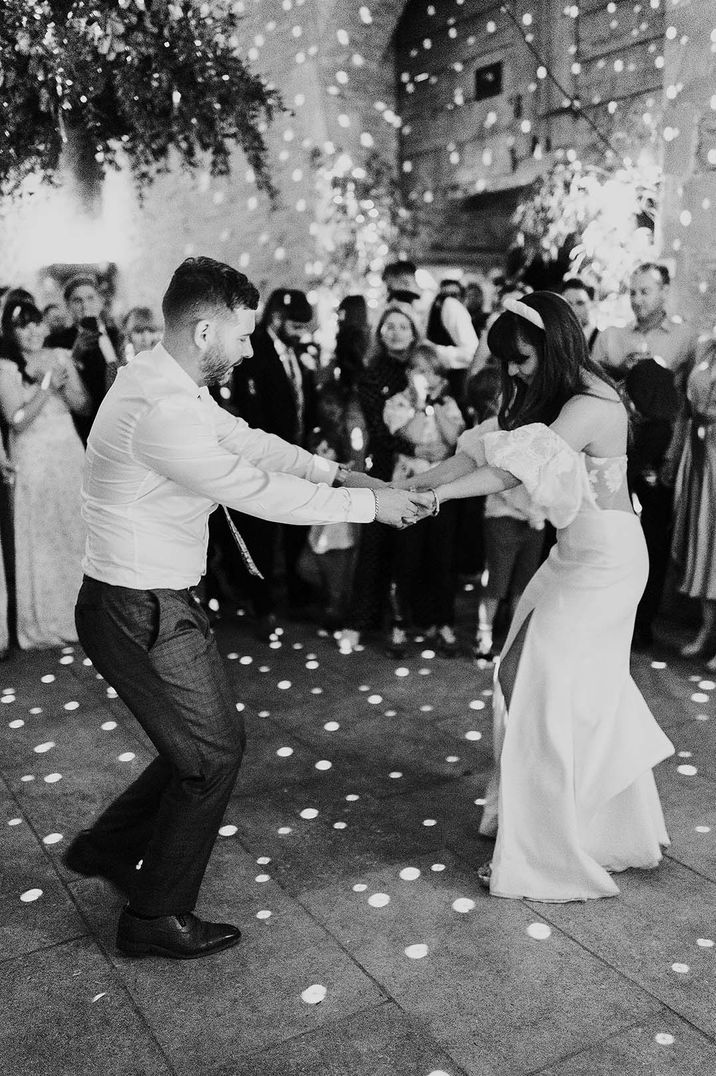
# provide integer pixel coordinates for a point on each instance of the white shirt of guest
(458, 323)
(162, 454)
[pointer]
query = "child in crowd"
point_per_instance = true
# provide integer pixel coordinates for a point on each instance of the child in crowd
(429, 420)
(329, 556)
(513, 528)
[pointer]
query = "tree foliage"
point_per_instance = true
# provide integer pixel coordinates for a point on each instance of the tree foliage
(146, 78)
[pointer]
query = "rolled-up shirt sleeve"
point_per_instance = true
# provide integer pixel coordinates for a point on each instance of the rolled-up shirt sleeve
(266, 450)
(181, 440)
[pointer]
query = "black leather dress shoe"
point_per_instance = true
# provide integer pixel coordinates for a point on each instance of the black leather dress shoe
(84, 857)
(181, 937)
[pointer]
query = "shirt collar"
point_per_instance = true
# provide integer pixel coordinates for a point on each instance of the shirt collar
(171, 369)
(282, 350)
(665, 325)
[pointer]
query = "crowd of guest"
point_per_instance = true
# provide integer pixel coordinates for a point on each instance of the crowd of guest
(394, 396)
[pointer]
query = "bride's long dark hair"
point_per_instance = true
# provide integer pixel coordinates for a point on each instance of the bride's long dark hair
(563, 360)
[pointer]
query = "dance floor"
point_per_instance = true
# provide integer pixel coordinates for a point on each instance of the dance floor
(347, 857)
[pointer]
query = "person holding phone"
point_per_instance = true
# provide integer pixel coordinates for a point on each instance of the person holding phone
(95, 345)
(40, 391)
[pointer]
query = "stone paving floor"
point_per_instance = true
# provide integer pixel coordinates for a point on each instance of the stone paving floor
(347, 856)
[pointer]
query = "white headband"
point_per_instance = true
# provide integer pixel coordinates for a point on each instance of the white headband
(515, 306)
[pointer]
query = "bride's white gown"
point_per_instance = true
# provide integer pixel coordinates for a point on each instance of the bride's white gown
(572, 796)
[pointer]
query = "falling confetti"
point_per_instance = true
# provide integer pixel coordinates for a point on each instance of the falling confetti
(309, 812)
(313, 995)
(283, 685)
(680, 969)
(331, 726)
(463, 904)
(43, 748)
(378, 900)
(687, 770)
(30, 895)
(409, 874)
(416, 952)
(126, 756)
(262, 878)
(52, 838)
(664, 1038)
(284, 752)
(228, 831)
(73, 705)
(264, 914)
(323, 764)
(52, 778)
(108, 726)
(539, 931)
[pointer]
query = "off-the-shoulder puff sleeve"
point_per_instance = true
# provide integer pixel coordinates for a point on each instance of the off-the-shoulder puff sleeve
(552, 472)
(472, 442)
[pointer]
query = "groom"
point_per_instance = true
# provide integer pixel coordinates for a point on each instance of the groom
(160, 456)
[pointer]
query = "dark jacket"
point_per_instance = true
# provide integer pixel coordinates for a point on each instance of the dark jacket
(262, 393)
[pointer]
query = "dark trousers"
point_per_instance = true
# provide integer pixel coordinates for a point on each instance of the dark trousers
(657, 510)
(425, 569)
(373, 578)
(156, 649)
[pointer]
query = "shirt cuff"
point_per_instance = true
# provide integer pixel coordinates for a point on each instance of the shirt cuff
(321, 470)
(362, 505)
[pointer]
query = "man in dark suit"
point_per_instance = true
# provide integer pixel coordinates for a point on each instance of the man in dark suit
(275, 391)
(95, 345)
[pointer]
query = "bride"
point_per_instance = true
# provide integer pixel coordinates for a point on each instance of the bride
(572, 797)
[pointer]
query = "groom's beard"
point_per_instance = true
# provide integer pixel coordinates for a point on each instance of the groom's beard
(216, 364)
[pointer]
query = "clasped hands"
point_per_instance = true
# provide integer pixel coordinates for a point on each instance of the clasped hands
(401, 507)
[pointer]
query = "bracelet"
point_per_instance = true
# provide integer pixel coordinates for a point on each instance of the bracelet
(377, 504)
(436, 502)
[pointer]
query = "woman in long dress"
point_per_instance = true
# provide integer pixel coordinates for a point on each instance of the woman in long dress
(572, 798)
(39, 390)
(694, 542)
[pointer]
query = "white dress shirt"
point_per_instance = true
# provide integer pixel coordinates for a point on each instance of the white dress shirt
(458, 323)
(162, 454)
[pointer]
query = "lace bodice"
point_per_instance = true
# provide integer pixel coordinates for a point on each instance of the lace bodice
(607, 478)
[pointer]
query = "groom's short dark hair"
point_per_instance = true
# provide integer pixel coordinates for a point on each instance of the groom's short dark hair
(202, 287)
